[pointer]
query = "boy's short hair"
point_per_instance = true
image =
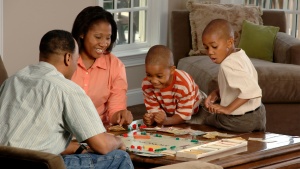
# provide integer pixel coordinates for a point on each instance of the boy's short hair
(222, 26)
(159, 55)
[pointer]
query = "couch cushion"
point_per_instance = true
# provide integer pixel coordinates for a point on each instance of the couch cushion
(280, 83)
(258, 40)
(202, 14)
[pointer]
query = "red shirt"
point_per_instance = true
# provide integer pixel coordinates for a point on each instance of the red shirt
(182, 97)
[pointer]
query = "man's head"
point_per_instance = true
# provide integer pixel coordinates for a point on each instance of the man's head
(59, 48)
(218, 40)
(159, 66)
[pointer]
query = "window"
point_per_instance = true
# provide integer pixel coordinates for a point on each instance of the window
(141, 24)
(290, 7)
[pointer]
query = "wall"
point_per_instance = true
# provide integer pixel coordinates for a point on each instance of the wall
(25, 22)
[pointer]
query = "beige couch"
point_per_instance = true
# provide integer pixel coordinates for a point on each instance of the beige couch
(279, 80)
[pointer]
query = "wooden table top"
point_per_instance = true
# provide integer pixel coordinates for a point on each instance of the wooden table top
(278, 151)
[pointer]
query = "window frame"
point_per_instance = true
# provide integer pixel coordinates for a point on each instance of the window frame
(156, 28)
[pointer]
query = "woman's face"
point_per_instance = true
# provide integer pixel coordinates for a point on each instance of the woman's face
(97, 40)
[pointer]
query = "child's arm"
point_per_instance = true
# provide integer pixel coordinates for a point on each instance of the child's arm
(161, 118)
(212, 98)
(216, 108)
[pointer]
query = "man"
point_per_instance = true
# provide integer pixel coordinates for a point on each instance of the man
(41, 109)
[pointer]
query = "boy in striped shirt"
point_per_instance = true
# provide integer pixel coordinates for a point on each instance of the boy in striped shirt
(170, 95)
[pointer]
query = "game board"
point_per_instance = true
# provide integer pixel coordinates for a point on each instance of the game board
(156, 143)
(175, 130)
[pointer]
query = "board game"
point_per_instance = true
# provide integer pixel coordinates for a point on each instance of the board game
(157, 145)
(153, 143)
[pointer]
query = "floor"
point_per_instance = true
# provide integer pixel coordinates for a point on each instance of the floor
(137, 111)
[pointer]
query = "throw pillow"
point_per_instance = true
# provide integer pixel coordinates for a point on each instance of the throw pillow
(201, 14)
(258, 40)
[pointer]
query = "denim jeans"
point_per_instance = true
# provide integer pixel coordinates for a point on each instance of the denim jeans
(115, 159)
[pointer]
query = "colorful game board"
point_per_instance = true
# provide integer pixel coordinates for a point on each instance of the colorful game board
(153, 143)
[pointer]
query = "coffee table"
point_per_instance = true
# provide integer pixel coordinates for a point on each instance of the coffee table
(277, 151)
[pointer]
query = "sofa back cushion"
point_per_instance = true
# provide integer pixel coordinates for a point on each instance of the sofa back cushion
(280, 83)
(201, 14)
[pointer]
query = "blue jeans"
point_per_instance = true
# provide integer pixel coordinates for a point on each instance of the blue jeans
(115, 159)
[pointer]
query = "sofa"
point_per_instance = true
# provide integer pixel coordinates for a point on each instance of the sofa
(279, 79)
(14, 157)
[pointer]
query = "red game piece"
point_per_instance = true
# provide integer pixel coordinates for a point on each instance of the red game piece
(135, 133)
(139, 147)
(150, 149)
(132, 146)
(125, 135)
(143, 126)
(134, 126)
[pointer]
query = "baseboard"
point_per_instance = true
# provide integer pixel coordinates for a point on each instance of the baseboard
(134, 97)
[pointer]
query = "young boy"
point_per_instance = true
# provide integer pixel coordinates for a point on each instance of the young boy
(240, 107)
(170, 95)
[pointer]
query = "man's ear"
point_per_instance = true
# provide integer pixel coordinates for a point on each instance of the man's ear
(67, 59)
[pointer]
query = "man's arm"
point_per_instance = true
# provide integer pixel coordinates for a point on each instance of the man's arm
(104, 143)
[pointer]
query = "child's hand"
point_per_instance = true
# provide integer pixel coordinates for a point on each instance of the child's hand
(211, 99)
(160, 117)
(216, 108)
(148, 119)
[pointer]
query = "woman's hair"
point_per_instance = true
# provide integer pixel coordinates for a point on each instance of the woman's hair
(89, 16)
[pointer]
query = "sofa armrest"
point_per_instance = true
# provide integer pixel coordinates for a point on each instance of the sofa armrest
(286, 49)
(24, 158)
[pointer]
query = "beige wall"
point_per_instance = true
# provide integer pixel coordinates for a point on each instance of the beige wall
(26, 21)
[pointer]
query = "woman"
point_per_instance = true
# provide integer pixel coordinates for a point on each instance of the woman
(100, 73)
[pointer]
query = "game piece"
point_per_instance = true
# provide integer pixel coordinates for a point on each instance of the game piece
(125, 135)
(116, 128)
(134, 133)
(143, 126)
(137, 136)
(134, 126)
(172, 147)
(132, 147)
(143, 133)
(139, 147)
